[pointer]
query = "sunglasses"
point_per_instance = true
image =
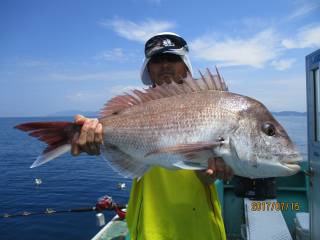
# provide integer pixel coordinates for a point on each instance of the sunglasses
(160, 58)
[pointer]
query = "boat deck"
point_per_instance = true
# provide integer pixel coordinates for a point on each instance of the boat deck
(116, 229)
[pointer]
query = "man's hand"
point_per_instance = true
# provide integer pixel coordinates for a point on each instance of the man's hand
(90, 137)
(217, 169)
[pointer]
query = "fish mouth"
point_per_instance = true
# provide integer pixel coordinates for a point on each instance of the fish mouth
(292, 166)
(293, 162)
(294, 158)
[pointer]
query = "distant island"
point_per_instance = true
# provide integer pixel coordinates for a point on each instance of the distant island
(96, 113)
(289, 113)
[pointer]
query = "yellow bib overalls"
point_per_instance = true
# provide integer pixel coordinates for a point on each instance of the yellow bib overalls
(166, 204)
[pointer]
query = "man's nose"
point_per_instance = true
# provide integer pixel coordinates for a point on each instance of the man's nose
(165, 63)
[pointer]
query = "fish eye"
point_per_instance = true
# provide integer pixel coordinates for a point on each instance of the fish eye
(268, 129)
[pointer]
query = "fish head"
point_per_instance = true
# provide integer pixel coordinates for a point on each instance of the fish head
(262, 146)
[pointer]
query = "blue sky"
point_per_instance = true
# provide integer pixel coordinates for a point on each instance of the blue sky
(76, 54)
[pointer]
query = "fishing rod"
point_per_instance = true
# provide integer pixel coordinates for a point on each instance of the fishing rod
(104, 203)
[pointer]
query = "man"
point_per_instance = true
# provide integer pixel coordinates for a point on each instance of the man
(166, 204)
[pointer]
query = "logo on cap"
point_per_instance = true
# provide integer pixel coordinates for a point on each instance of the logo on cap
(167, 43)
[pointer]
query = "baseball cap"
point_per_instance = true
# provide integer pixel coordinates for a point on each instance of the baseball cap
(166, 42)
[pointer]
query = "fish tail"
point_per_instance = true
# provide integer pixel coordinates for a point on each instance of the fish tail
(57, 135)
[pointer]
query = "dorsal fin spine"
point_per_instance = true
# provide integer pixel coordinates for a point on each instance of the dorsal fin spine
(203, 79)
(205, 83)
(131, 99)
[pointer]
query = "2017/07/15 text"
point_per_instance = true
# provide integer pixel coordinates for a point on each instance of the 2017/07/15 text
(274, 206)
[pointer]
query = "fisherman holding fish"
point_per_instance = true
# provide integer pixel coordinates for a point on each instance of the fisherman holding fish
(174, 139)
(166, 204)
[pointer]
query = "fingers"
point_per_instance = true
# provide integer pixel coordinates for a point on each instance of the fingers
(211, 166)
(220, 169)
(79, 119)
(205, 178)
(91, 130)
(75, 150)
(98, 139)
(84, 132)
(98, 134)
(87, 137)
(217, 168)
(209, 176)
(226, 172)
(90, 137)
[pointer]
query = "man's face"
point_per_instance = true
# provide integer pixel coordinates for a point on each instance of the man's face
(166, 68)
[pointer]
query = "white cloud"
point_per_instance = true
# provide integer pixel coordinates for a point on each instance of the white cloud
(28, 62)
(34, 63)
(104, 76)
(283, 64)
(303, 8)
(139, 32)
(255, 51)
(86, 97)
(119, 55)
(120, 89)
(98, 97)
(306, 37)
(115, 54)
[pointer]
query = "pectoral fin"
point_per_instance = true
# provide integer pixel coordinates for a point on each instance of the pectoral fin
(189, 165)
(188, 149)
(124, 164)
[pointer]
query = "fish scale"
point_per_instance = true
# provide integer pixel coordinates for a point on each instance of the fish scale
(190, 121)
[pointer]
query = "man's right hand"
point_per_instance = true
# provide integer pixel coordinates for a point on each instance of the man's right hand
(90, 137)
(217, 169)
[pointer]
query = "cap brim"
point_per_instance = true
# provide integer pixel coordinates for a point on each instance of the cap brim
(180, 52)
